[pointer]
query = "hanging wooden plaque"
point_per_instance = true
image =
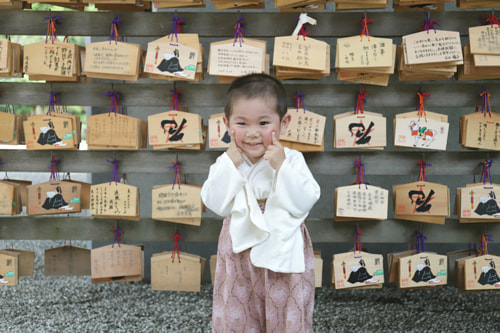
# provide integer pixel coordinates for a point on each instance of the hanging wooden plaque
(485, 39)
(67, 261)
(361, 202)
(305, 53)
(481, 273)
(9, 268)
(113, 60)
(422, 201)
(54, 197)
(304, 127)
(174, 128)
(478, 203)
(115, 200)
(49, 58)
(218, 135)
(479, 131)
(55, 131)
(438, 46)
(10, 198)
(429, 132)
(425, 269)
(364, 130)
(117, 263)
(358, 269)
(26, 261)
(354, 52)
(115, 131)
(179, 205)
(176, 271)
(230, 58)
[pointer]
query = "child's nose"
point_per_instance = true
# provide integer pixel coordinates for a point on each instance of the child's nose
(252, 132)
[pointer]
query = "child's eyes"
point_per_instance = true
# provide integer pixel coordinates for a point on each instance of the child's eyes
(241, 124)
(263, 123)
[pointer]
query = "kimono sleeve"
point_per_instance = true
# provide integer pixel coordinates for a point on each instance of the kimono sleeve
(295, 188)
(223, 183)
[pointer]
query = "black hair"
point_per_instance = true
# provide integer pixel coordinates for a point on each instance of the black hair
(257, 85)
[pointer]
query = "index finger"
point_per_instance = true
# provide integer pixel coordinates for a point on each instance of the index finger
(276, 140)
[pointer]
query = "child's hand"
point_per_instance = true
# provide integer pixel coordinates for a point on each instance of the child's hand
(275, 153)
(234, 153)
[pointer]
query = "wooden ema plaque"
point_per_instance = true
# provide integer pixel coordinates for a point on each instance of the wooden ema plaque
(308, 53)
(54, 197)
(115, 200)
(176, 271)
(363, 130)
(176, 57)
(7, 126)
(26, 261)
(218, 135)
(175, 129)
(10, 198)
(318, 269)
(12, 62)
(427, 132)
(116, 131)
(481, 273)
(117, 263)
(357, 270)
(54, 59)
(422, 202)
(478, 203)
(113, 60)
(372, 52)
(305, 127)
(361, 202)
(179, 205)
(23, 186)
(425, 269)
(230, 58)
(55, 131)
(437, 46)
(480, 131)
(9, 268)
(393, 263)
(67, 261)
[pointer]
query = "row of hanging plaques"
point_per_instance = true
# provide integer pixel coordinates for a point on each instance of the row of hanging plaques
(181, 271)
(176, 129)
(419, 201)
(427, 55)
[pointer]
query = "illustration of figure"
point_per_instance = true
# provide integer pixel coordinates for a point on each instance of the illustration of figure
(226, 138)
(423, 133)
(2, 280)
(360, 274)
(55, 200)
(48, 136)
(489, 275)
(171, 64)
(362, 136)
(424, 273)
(173, 129)
(488, 205)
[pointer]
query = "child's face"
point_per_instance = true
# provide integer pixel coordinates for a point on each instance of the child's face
(253, 121)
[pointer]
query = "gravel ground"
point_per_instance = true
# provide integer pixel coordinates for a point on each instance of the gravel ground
(74, 304)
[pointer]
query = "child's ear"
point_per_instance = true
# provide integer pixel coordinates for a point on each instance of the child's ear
(226, 122)
(285, 122)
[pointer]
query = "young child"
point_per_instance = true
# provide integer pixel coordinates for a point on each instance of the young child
(264, 280)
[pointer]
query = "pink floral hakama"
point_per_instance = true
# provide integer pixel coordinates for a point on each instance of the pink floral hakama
(252, 299)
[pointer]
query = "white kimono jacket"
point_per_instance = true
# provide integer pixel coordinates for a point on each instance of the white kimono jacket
(274, 236)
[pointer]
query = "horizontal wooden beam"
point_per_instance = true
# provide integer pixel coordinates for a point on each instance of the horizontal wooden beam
(221, 24)
(391, 162)
(327, 93)
(321, 230)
